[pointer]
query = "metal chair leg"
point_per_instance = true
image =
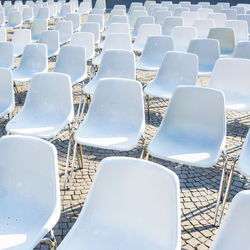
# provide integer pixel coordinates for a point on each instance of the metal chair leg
(51, 240)
(17, 94)
(148, 100)
(73, 165)
(67, 161)
(144, 150)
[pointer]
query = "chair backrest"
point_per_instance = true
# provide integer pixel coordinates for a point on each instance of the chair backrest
(219, 19)
(20, 39)
(75, 18)
(65, 29)
(152, 7)
(224, 5)
(65, 9)
(135, 15)
(216, 8)
(230, 13)
(170, 23)
(204, 4)
(245, 17)
(118, 19)
(30, 173)
(208, 52)
(194, 7)
(182, 36)
(180, 10)
(173, 7)
(34, 58)
(28, 14)
(125, 208)
(161, 15)
(240, 29)
(189, 17)
(147, 3)
(118, 41)
(43, 13)
(37, 27)
(100, 4)
(233, 232)
(97, 18)
(204, 12)
(97, 11)
(86, 40)
(7, 55)
(242, 50)
(225, 36)
(51, 39)
(142, 20)
(203, 27)
(2, 18)
(118, 28)
(240, 10)
(185, 3)
(15, 18)
(3, 35)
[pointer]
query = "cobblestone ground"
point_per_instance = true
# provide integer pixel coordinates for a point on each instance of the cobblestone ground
(199, 186)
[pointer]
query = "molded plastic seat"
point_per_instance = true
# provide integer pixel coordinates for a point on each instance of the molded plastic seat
(224, 5)
(30, 194)
(204, 4)
(115, 119)
(193, 130)
(65, 29)
(51, 38)
(240, 10)
(20, 39)
(246, 18)
(242, 50)
(231, 14)
(97, 19)
(114, 64)
(219, 19)
(216, 8)
(28, 14)
(71, 60)
(123, 221)
(43, 13)
(170, 23)
(115, 13)
(133, 17)
(86, 40)
(185, 3)
(144, 32)
(233, 232)
(7, 55)
(3, 35)
(189, 17)
(97, 11)
(203, 27)
(2, 18)
(75, 18)
(84, 8)
(37, 27)
(14, 19)
(33, 60)
(177, 68)
(65, 9)
(139, 21)
(232, 76)
(7, 99)
(225, 36)
(119, 19)
(115, 28)
(204, 13)
(154, 52)
(180, 10)
(93, 28)
(100, 4)
(161, 15)
(182, 36)
(240, 29)
(48, 107)
(208, 52)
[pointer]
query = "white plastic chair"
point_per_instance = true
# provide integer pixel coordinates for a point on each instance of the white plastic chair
(246, 18)
(216, 8)
(14, 20)
(84, 8)
(177, 68)
(28, 14)
(65, 9)
(161, 15)
(135, 15)
(208, 52)
(219, 19)
(194, 7)
(231, 75)
(180, 10)
(230, 13)
(154, 52)
(225, 36)
(7, 55)
(75, 18)
(120, 7)
(144, 32)
(224, 5)
(86, 40)
(242, 50)
(51, 39)
(204, 13)
(71, 61)
(94, 28)
(117, 28)
(97, 11)
(185, 3)
(240, 10)
(134, 8)
(116, 12)
(2, 18)
(114, 64)
(189, 17)
(170, 23)
(240, 29)
(166, 3)
(48, 107)
(152, 8)
(119, 19)
(20, 39)
(233, 232)
(100, 4)
(204, 4)
(65, 29)
(147, 3)
(43, 13)
(37, 27)
(29, 179)
(203, 27)
(3, 35)
(182, 36)
(125, 217)
(97, 18)
(7, 99)
(139, 21)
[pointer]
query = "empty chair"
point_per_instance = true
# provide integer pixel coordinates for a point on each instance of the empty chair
(240, 29)
(185, 3)
(182, 36)
(246, 18)
(170, 23)
(3, 35)
(224, 5)
(51, 39)
(116, 28)
(71, 60)
(86, 40)
(20, 39)
(84, 8)
(204, 13)
(166, 3)
(208, 52)
(97, 19)
(28, 14)
(65, 29)
(230, 13)
(204, 4)
(100, 4)
(154, 52)
(141, 20)
(194, 7)
(2, 18)
(231, 75)
(7, 99)
(97, 11)
(189, 18)
(144, 32)
(216, 8)
(126, 209)
(65, 9)
(203, 27)
(135, 15)
(151, 9)
(75, 18)
(48, 107)
(115, 13)
(14, 20)
(161, 15)
(177, 68)
(219, 19)
(114, 64)
(37, 27)
(29, 179)
(119, 19)
(225, 36)
(7, 55)
(43, 13)
(240, 10)
(94, 28)
(180, 10)
(148, 3)
(233, 232)
(242, 50)
(120, 7)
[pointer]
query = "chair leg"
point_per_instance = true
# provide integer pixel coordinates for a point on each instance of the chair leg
(148, 100)
(67, 161)
(51, 240)
(222, 183)
(144, 149)
(81, 153)
(17, 93)
(73, 165)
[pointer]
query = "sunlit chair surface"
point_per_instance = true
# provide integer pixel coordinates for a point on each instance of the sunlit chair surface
(134, 216)
(189, 17)
(29, 184)
(219, 19)
(100, 4)
(7, 55)
(97, 18)
(20, 39)
(203, 27)
(93, 28)
(204, 12)
(139, 21)
(170, 23)
(7, 99)
(240, 29)
(28, 14)
(14, 19)
(65, 29)
(231, 14)
(48, 107)
(3, 35)
(193, 130)
(43, 13)
(135, 14)
(246, 18)
(76, 20)
(232, 76)
(37, 27)
(242, 50)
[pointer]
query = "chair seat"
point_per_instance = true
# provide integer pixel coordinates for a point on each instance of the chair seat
(147, 65)
(52, 52)
(76, 78)
(22, 76)
(193, 150)
(236, 102)
(6, 108)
